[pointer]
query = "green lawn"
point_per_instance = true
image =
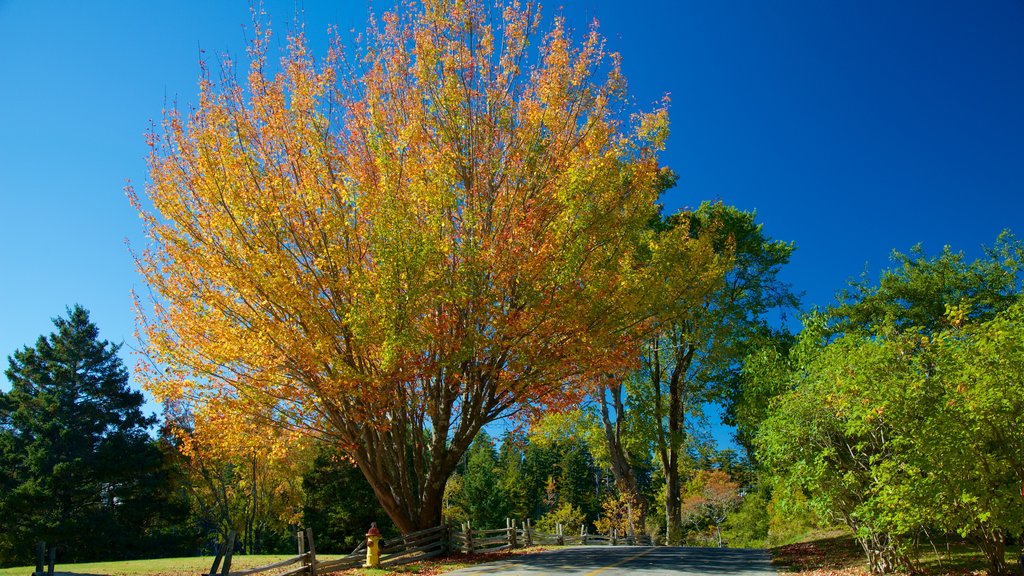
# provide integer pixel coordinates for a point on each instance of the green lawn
(161, 566)
(199, 565)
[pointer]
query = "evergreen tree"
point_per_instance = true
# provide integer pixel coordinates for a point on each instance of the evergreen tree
(482, 497)
(512, 479)
(78, 467)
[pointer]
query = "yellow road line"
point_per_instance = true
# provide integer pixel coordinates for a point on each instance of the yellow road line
(619, 563)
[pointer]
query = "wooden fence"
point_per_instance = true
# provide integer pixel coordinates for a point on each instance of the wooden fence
(516, 534)
(408, 548)
(41, 555)
(418, 546)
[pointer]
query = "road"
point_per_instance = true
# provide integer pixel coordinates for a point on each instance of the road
(622, 560)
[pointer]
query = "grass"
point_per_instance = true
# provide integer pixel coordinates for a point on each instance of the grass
(201, 564)
(837, 553)
(156, 567)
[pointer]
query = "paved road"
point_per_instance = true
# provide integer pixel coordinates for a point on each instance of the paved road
(623, 560)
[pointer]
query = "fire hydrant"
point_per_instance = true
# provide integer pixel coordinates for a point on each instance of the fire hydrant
(372, 547)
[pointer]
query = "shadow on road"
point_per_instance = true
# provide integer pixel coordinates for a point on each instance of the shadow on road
(631, 560)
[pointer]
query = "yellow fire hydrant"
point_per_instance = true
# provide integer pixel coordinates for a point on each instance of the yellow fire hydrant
(372, 547)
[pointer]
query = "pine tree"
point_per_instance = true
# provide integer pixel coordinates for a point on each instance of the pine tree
(483, 499)
(76, 463)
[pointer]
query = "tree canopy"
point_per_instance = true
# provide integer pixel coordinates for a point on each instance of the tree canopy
(391, 250)
(899, 409)
(77, 466)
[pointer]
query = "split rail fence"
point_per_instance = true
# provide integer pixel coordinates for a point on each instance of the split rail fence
(403, 549)
(419, 546)
(516, 534)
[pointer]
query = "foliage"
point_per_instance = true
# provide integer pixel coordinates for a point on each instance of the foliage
(561, 464)
(338, 504)
(747, 526)
(790, 513)
(254, 488)
(621, 513)
(513, 481)
(765, 369)
(482, 497)
(692, 354)
(77, 466)
(917, 293)
(568, 515)
(969, 431)
(911, 422)
(709, 498)
(393, 249)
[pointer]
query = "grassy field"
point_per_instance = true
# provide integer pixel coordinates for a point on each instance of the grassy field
(838, 554)
(200, 565)
(161, 566)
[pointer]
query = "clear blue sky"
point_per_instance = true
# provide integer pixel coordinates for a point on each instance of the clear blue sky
(853, 127)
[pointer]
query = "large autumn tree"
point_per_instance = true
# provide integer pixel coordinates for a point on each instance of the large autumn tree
(393, 248)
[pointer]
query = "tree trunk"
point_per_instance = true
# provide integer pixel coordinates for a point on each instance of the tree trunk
(677, 398)
(625, 478)
(673, 507)
(409, 463)
(881, 551)
(992, 542)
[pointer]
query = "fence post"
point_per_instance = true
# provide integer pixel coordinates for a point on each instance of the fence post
(312, 552)
(469, 536)
(559, 537)
(216, 561)
(583, 534)
(611, 541)
(53, 557)
(528, 532)
(40, 554)
(229, 550)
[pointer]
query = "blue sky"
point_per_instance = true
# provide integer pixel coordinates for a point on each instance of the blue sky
(853, 127)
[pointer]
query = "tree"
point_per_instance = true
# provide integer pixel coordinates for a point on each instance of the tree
(691, 355)
(78, 467)
(748, 526)
(252, 488)
(392, 251)
(967, 432)
(711, 496)
(621, 514)
(917, 292)
(833, 434)
(568, 515)
(338, 504)
(897, 418)
(482, 497)
(560, 461)
(513, 481)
